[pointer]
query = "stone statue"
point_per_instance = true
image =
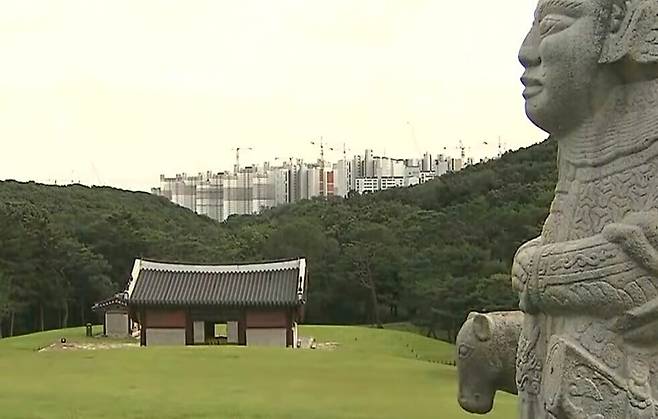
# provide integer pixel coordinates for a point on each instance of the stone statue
(486, 358)
(588, 286)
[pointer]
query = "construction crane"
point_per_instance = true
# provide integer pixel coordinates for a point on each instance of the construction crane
(98, 177)
(462, 149)
(323, 186)
(486, 152)
(237, 156)
(345, 148)
(502, 147)
(413, 136)
(322, 145)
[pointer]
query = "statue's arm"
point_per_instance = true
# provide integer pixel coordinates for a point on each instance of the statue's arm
(612, 271)
(522, 267)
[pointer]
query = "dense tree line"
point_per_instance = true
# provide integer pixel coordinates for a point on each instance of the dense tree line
(427, 254)
(64, 248)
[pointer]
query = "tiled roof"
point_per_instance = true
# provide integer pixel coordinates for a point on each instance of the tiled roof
(116, 300)
(264, 284)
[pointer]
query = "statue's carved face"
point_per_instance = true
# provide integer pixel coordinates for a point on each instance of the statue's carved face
(561, 59)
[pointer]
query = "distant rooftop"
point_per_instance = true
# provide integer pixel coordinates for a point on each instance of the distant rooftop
(278, 283)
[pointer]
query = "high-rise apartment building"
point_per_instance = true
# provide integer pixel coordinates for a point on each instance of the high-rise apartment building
(342, 177)
(251, 189)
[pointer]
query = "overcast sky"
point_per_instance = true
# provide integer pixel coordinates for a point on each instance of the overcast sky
(117, 92)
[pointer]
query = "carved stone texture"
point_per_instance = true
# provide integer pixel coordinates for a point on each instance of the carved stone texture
(486, 358)
(588, 286)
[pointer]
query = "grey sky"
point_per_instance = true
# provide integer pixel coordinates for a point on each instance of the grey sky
(117, 92)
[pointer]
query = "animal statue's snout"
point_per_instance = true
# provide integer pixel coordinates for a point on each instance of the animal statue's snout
(474, 403)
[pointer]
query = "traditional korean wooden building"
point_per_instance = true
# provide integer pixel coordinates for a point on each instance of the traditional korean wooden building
(178, 304)
(116, 322)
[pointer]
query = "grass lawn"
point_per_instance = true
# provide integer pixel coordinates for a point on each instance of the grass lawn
(372, 374)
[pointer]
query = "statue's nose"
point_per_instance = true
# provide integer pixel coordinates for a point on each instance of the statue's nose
(529, 52)
(528, 57)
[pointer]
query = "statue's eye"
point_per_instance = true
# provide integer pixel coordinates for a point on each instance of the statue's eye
(464, 351)
(553, 24)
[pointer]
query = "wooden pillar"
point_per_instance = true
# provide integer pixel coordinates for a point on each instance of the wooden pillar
(189, 328)
(289, 334)
(105, 323)
(242, 329)
(142, 332)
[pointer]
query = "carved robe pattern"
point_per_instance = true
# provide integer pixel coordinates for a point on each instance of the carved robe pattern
(590, 292)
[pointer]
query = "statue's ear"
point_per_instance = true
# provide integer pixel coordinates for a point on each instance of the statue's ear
(632, 32)
(482, 326)
(471, 315)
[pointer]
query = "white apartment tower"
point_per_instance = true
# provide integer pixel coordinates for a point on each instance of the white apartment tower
(368, 168)
(252, 189)
(342, 178)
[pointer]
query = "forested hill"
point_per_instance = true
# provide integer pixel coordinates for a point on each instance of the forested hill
(527, 172)
(427, 254)
(63, 248)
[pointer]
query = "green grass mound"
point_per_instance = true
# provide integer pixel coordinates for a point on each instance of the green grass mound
(365, 341)
(358, 372)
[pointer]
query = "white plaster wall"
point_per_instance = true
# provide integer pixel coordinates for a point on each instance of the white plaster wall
(199, 332)
(116, 324)
(295, 335)
(232, 332)
(156, 337)
(266, 337)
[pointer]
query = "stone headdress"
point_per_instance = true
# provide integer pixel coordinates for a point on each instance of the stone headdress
(633, 32)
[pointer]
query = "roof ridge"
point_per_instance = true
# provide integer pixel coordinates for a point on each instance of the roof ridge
(261, 262)
(285, 268)
(199, 268)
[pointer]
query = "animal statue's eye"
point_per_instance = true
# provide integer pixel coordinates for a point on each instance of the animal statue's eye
(464, 351)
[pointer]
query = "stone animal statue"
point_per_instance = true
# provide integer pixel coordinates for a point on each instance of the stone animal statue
(486, 358)
(588, 285)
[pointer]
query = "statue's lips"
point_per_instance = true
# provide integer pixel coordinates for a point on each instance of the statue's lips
(533, 87)
(532, 91)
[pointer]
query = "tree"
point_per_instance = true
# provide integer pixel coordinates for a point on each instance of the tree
(118, 237)
(373, 254)
(5, 302)
(84, 277)
(301, 237)
(494, 293)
